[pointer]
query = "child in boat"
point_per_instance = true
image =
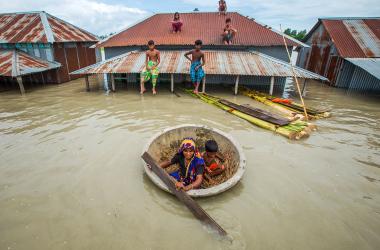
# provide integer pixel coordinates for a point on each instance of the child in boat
(212, 166)
(222, 7)
(197, 61)
(152, 60)
(176, 23)
(228, 32)
(190, 173)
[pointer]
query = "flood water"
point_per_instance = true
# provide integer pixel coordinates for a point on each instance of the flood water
(71, 176)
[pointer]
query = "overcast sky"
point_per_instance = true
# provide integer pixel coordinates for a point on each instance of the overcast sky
(103, 17)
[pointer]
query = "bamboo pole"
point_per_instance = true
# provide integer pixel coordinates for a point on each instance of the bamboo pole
(204, 84)
(112, 82)
(271, 85)
(87, 83)
(172, 83)
(237, 85)
(21, 85)
(294, 75)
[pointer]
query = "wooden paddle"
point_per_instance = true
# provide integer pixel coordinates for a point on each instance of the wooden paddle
(197, 211)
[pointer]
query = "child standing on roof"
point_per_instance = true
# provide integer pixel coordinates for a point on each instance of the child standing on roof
(152, 60)
(228, 32)
(222, 7)
(197, 61)
(177, 23)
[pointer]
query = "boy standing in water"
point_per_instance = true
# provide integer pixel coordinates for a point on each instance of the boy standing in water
(197, 61)
(150, 71)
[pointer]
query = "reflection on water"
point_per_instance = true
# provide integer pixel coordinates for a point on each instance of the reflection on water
(71, 174)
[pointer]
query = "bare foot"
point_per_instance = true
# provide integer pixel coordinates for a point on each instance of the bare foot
(154, 92)
(142, 91)
(196, 92)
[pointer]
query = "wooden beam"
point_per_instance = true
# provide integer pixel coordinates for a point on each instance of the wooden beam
(87, 83)
(197, 211)
(204, 84)
(304, 87)
(271, 85)
(21, 85)
(237, 84)
(172, 83)
(112, 82)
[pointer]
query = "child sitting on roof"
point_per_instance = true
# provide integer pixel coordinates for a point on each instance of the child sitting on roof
(176, 23)
(222, 7)
(197, 61)
(191, 166)
(228, 32)
(210, 156)
(150, 71)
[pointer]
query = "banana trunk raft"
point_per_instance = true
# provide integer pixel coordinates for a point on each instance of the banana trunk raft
(294, 130)
(288, 108)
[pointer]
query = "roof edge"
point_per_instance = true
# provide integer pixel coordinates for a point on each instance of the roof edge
(83, 30)
(98, 45)
(47, 27)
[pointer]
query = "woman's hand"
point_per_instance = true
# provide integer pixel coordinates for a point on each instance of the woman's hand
(179, 185)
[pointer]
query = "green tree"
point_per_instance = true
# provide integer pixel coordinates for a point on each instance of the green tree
(299, 35)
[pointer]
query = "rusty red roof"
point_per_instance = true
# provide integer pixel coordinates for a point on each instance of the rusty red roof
(207, 26)
(220, 62)
(39, 27)
(353, 37)
(15, 63)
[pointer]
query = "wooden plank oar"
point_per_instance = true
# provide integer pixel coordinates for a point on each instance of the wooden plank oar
(182, 195)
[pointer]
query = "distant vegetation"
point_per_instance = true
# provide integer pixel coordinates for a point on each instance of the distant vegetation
(299, 35)
(102, 37)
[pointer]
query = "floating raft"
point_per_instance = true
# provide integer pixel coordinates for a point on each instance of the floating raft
(289, 109)
(294, 130)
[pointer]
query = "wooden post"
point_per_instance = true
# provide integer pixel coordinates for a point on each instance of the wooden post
(112, 77)
(87, 83)
(204, 84)
(271, 85)
(43, 78)
(304, 87)
(21, 85)
(237, 85)
(172, 83)
(182, 195)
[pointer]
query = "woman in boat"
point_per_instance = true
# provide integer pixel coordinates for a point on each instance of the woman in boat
(191, 166)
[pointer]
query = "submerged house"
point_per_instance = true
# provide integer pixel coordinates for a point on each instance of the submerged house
(346, 51)
(36, 47)
(257, 56)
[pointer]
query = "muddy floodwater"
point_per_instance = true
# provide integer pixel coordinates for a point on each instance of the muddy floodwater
(71, 176)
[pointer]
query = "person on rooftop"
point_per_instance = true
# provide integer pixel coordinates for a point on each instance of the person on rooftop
(222, 7)
(152, 59)
(176, 23)
(197, 61)
(229, 32)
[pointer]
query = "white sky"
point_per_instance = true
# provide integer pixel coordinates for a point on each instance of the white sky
(103, 17)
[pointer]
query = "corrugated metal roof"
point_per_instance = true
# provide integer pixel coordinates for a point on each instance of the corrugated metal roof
(371, 65)
(15, 63)
(39, 27)
(207, 26)
(355, 37)
(217, 63)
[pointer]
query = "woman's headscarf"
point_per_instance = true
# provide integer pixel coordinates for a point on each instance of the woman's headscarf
(187, 143)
